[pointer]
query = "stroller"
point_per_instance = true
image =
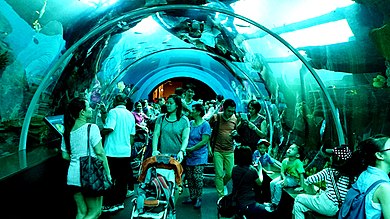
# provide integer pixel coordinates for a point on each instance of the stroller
(159, 179)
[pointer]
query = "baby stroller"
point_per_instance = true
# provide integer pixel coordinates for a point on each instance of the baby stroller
(159, 178)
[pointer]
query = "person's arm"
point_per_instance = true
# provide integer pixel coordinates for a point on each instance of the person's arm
(204, 141)
(100, 153)
(282, 176)
(65, 155)
(156, 136)
(384, 199)
(259, 180)
(132, 140)
(184, 138)
(301, 180)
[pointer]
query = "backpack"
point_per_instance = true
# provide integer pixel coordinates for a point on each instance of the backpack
(157, 187)
(355, 202)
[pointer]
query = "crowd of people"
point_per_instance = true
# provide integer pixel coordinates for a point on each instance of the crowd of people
(193, 131)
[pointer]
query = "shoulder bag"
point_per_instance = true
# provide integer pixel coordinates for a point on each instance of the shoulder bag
(93, 177)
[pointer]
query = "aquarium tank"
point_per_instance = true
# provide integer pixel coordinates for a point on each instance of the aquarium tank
(320, 69)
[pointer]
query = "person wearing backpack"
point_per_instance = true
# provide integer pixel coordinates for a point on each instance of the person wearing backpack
(373, 155)
(338, 180)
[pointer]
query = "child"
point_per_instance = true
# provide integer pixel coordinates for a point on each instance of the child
(261, 155)
(291, 175)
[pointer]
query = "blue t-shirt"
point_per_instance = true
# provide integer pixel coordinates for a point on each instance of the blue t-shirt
(199, 156)
(264, 160)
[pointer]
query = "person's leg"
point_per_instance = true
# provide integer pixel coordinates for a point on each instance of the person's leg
(272, 186)
(300, 205)
(277, 192)
(198, 179)
(94, 205)
(318, 203)
(219, 173)
(255, 211)
(291, 181)
(228, 163)
(122, 180)
(108, 199)
(81, 205)
(191, 181)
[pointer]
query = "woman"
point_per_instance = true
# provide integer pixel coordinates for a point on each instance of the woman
(197, 155)
(373, 156)
(244, 177)
(337, 179)
(251, 129)
(74, 146)
(171, 131)
(140, 123)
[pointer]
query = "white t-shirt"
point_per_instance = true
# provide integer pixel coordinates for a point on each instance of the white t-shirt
(122, 121)
(78, 148)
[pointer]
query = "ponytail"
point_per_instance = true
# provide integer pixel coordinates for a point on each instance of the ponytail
(71, 114)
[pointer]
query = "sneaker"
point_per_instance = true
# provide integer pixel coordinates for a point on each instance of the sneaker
(271, 208)
(267, 204)
(120, 206)
(225, 190)
(188, 201)
(109, 208)
(198, 203)
(129, 193)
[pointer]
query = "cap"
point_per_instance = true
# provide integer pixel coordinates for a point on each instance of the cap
(263, 141)
(342, 152)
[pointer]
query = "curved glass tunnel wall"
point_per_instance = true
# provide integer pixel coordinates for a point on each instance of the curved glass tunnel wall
(135, 52)
(138, 51)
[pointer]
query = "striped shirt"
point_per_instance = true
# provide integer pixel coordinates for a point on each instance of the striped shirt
(342, 183)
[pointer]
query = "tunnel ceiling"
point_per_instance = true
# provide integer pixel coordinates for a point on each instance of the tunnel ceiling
(78, 18)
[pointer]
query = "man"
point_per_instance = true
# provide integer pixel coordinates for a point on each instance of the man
(119, 128)
(223, 125)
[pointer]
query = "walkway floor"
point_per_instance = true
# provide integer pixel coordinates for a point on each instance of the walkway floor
(207, 211)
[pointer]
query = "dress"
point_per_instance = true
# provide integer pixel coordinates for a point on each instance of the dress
(196, 159)
(171, 134)
(78, 148)
(199, 156)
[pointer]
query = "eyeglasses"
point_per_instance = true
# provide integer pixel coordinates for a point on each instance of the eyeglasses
(388, 149)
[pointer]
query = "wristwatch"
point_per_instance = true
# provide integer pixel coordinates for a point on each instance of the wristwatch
(184, 152)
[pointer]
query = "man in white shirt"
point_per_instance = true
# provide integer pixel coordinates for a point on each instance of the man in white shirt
(119, 128)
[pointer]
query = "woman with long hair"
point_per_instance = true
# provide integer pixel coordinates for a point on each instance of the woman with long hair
(197, 155)
(171, 131)
(373, 158)
(74, 146)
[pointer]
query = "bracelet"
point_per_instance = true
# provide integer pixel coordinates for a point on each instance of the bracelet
(184, 153)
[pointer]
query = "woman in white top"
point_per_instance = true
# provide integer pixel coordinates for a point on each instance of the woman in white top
(74, 145)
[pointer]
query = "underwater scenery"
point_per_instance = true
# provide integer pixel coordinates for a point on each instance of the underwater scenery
(320, 69)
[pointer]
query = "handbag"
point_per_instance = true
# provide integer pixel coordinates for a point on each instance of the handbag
(227, 205)
(93, 177)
